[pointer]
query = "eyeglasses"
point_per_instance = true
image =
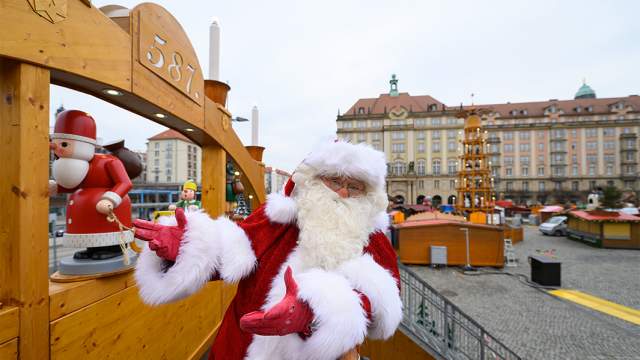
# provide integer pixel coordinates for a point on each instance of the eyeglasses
(355, 188)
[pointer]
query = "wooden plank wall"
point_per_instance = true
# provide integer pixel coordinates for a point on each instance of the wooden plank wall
(24, 135)
(399, 347)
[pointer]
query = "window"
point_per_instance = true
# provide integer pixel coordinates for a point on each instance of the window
(508, 160)
(420, 147)
(558, 171)
(168, 178)
(509, 171)
(592, 184)
(451, 146)
(608, 131)
(525, 171)
(156, 145)
(452, 121)
(591, 132)
(508, 135)
(451, 134)
(362, 137)
(509, 185)
(436, 121)
(541, 186)
(540, 134)
(435, 146)
(420, 135)
(540, 170)
(592, 145)
(156, 153)
(592, 159)
(574, 170)
(420, 184)
(397, 135)
(574, 133)
(508, 148)
(436, 167)
(399, 168)
(436, 184)
(494, 148)
(375, 136)
(376, 123)
(420, 167)
(524, 147)
(157, 178)
(421, 122)
(435, 134)
(525, 186)
(397, 148)
(452, 166)
(377, 146)
(524, 135)
(360, 110)
(609, 169)
(575, 185)
(362, 124)
(156, 162)
(540, 146)
(557, 185)
(629, 156)
(524, 160)
(452, 184)
(629, 184)
(592, 169)
(347, 124)
(540, 159)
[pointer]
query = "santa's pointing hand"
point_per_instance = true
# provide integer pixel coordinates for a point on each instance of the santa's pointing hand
(164, 240)
(290, 315)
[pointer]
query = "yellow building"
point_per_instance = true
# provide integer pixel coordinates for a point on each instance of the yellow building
(172, 158)
(544, 151)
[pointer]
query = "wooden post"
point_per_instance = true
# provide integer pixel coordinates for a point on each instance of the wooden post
(24, 199)
(214, 160)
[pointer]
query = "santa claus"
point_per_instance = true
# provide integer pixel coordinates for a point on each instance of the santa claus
(98, 184)
(316, 273)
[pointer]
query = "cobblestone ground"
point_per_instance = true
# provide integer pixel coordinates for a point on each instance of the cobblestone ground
(537, 325)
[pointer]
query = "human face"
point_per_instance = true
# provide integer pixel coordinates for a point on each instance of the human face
(344, 186)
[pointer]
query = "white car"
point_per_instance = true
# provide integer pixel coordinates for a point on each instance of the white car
(557, 226)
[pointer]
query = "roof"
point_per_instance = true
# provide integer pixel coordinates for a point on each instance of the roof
(604, 216)
(385, 102)
(421, 223)
(170, 135)
(585, 92)
(552, 209)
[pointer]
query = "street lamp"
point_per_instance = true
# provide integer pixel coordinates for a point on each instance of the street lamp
(468, 266)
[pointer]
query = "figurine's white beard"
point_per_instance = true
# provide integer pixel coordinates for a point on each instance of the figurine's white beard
(68, 172)
(332, 229)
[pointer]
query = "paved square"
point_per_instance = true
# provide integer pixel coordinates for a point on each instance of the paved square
(537, 325)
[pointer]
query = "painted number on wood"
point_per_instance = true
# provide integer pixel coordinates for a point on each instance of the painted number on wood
(166, 58)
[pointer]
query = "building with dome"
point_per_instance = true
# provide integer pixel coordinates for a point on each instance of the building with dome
(552, 151)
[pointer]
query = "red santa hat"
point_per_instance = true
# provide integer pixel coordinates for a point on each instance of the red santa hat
(339, 158)
(75, 125)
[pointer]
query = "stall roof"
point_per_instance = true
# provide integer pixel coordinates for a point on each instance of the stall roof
(552, 209)
(604, 216)
(421, 223)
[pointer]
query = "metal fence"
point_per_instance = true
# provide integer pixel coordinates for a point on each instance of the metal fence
(435, 323)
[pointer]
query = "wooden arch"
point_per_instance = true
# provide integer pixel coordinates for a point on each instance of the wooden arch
(73, 44)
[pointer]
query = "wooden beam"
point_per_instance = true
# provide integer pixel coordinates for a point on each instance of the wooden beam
(214, 160)
(24, 125)
(9, 324)
(9, 350)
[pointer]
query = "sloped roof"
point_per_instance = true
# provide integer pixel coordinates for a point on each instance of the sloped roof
(170, 135)
(385, 103)
(604, 216)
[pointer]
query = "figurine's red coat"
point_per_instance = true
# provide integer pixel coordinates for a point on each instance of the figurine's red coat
(106, 173)
(272, 243)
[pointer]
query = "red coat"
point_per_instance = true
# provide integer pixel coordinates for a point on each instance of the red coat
(272, 244)
(106, 173)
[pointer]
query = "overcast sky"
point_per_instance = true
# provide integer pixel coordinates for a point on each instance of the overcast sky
(301, 61)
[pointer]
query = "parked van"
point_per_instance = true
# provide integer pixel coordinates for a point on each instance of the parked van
(556, 225)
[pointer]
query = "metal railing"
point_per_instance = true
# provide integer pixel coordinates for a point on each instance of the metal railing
(436, 324)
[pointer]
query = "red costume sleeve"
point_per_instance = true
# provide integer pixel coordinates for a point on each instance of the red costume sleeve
(118, 174)
(382, 252)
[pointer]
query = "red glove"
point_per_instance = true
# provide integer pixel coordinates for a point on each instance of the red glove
(164, 240)
(290, 315)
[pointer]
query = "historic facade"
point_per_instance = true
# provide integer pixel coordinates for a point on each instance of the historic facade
(172, 158)
(543, 151)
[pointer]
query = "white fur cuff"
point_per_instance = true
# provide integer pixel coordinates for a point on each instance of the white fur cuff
(341, 322)
(208, 246)
(367, 276)
(113, 197)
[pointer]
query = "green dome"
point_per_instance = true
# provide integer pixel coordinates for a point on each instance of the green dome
(585, 92)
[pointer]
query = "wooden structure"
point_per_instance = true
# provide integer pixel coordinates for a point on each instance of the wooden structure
(516, 234)
(604, 229)
(142, 62)
(474, 183)
(414, 238)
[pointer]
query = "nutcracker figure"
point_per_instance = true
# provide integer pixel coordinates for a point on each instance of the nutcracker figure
(187, 197)
(98, 184)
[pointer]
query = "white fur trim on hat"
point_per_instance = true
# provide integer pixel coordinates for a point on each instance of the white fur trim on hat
(359, 161)
(368, 277)
(281, 209)
(207, 247)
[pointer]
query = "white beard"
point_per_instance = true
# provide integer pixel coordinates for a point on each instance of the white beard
(69, 172)
(332, 229)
